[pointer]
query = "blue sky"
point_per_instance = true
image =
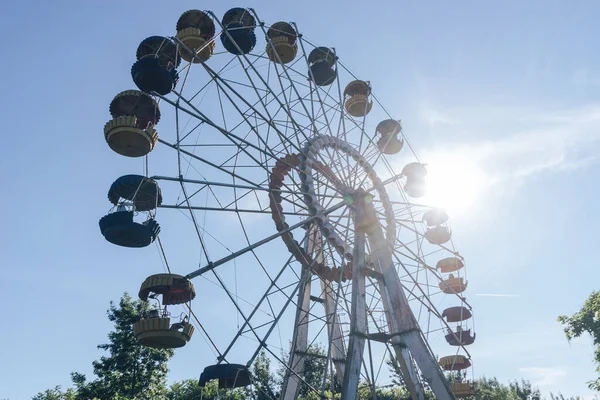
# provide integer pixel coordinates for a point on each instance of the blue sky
(505, 92)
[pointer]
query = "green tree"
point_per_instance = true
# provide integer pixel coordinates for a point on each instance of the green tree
(190, 390)
(395, 371)
(266, 385)
(55, 393)
(315, 364)
(586, 320)
(314, 370)
(128, 371)
(399, 388)
(184, 390)
(492, 389)
(524, 390)
(560, 396)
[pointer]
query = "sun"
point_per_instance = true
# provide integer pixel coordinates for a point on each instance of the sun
(454, 182)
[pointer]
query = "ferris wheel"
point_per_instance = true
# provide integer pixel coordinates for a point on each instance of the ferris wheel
(290, 196)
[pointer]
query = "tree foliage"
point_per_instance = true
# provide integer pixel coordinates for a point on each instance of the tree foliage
(56, 393)
(266, 384)
(315, 366)
(560, 396)
(130, 371)
(492, 389)
(190, 390)
(586, 320)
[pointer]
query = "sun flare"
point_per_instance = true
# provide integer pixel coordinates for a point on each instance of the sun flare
(454, 182)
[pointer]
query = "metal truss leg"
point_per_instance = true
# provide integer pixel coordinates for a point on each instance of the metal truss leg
(334, 330)
(291, 382)
(358, 312)
(411, 378)
(405, 333)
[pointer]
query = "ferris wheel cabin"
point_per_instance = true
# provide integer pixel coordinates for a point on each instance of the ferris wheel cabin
(155, 329)
(437, 232)
(453, 285)
(230, 376)
(195, 32)
(155, 68)
(321, 66)
(415, 179)
(389, 142)
(450, 264)
(143, 193)
(357, 101)
(456, 314)
(282, 45)
(238, 31)
(132, 194)
(131, 131)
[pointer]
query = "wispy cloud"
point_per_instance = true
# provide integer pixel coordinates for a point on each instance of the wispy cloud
(435, 116)
(488, 152)
(521, 143)
(484, 147)
(544, 376)
(585, 77)
(497, 295)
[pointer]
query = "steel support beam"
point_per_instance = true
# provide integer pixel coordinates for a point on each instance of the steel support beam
(334, 330)
(402, 354)
(291, 383)
(406, 333)
(358, 311)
